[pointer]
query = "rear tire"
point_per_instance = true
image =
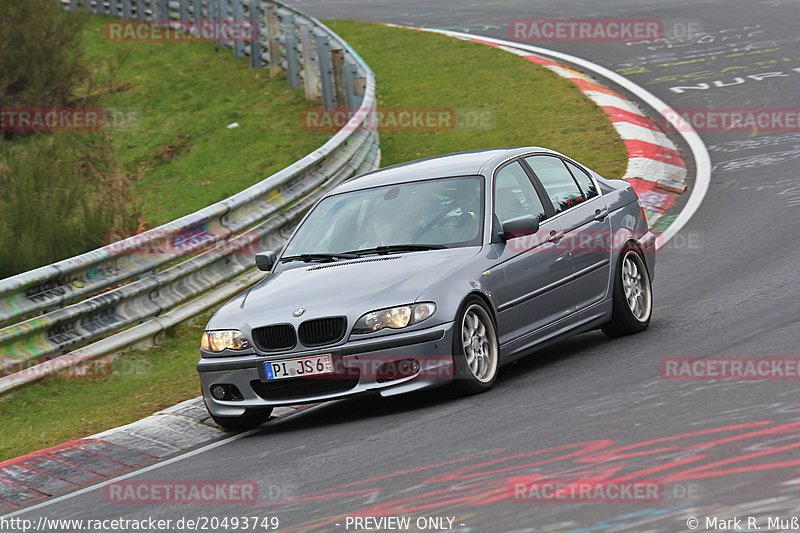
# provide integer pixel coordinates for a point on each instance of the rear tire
(476, 351)
(633, 296)
(249, 420)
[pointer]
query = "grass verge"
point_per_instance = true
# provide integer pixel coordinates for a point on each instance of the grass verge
(530, 105)
(137, 384)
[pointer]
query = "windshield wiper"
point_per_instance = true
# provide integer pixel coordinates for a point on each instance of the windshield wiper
(327, 257)
(318, 258)
(397, 248)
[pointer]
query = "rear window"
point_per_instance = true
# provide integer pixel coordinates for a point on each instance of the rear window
(557, 180)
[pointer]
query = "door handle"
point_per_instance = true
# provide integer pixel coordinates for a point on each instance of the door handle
(555, 236)
(600, 214)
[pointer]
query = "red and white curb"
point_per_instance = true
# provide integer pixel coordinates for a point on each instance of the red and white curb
(63, 468)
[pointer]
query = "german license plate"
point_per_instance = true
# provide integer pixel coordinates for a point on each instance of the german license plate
(303, 366)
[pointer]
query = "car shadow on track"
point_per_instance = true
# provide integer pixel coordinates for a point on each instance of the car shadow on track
(590, 348)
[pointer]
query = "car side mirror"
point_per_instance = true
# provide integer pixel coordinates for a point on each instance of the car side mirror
(266, 260)
(519, 227)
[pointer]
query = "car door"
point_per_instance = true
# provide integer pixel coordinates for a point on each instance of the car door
(535, 269)
(583, 216)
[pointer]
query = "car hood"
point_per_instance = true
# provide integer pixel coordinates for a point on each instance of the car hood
(345, 288)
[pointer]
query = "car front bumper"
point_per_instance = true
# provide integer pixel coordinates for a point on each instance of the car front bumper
(358, 360)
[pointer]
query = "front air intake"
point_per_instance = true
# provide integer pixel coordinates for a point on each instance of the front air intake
(272, 338)
(322, 331)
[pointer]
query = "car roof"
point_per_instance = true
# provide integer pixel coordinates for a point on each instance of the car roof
(470, 163)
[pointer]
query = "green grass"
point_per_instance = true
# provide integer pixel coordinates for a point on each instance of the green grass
(531, 106)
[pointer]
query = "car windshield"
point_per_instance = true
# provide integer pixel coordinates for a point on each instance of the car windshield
(446, 212)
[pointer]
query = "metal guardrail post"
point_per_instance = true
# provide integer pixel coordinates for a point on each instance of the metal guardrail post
(183, 13)
(274, 43)
(221, 16)
(310, 68)
(164, 11)
(73, 5)
(350, 97)
(359, 85)
(238, 43)
(197, 13)
(337, 68)
(290, 42)
(325, 71)
(255, 34)
(126, 9)
(140, 12)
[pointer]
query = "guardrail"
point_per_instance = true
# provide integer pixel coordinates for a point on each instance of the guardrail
(128, 292)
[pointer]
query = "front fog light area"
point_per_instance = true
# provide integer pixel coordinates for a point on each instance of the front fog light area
(394, 317)
(397, 370)
(226, 392)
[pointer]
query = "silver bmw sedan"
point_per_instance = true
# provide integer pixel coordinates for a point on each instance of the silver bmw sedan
(429, 273)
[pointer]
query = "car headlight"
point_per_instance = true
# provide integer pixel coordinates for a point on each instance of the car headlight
(216, 341)
(394, 317)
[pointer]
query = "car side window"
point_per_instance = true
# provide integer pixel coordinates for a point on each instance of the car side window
(561, 187)
(586, 183)
(514, 194)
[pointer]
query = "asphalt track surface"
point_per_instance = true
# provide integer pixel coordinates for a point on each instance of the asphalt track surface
(726, 286)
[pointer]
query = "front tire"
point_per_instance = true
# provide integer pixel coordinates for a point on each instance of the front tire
(475, 348)
(633, 296)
